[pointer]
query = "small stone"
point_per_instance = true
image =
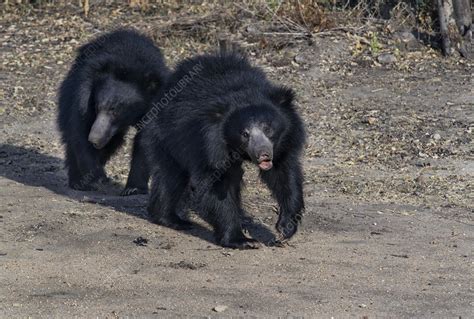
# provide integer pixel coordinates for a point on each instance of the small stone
(301, 59)
(422, 180)
(405, 36)
(436, 137)
(252, 29)
(140, 241)
(362, 305)
(220, 308)
(386, 58)
(406, 41)
(421, 162)
(371, 120)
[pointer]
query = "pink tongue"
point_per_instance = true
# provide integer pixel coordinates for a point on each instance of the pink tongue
(265, 165)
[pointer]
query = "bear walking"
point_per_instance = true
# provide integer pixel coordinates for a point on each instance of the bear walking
(107, 90)
(226, 113)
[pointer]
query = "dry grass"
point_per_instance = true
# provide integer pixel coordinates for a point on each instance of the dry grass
(306, 16)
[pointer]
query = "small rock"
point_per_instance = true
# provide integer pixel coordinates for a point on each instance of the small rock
(436, 137)
(220, 308)
(421, 162)
(405, 36)
(371, 120)
(386, 58)
(252, 29)
(362, 305)
(301, 59)
(422, 180)
(140, 241)
(406, 41)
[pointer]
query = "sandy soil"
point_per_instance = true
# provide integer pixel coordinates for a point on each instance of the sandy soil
(389, 170)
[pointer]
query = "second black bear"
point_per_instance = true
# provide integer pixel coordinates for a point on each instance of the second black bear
(225, 113)
(107, 90)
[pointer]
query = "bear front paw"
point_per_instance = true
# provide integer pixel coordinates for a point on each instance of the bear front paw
(129, 191)
(287, 227)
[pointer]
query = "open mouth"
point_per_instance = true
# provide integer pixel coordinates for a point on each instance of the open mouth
(265, 165)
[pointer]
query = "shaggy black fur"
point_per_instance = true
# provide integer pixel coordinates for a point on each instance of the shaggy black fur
(223, 111)
(108, 88)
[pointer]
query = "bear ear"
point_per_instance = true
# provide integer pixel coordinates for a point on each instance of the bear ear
(283, 96)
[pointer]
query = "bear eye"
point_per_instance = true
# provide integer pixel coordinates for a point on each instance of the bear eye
(245, 134)
(152, 86)
(113, 109)
(267, 130)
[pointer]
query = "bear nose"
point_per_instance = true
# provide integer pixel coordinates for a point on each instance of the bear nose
(264, 156)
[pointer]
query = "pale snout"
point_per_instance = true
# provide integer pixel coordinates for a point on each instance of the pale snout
(102, 130)
(261, 149)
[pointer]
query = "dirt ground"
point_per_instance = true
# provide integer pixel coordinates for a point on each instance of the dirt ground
(389, 170)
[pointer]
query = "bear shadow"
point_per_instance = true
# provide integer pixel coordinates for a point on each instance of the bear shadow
(33, 168)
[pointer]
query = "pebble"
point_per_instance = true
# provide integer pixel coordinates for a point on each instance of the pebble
(436, 137)
(301, 59)
(252, 29)
(386, 58)
(304, 58)
(220, 308)
(371, 120)
(406, 41)
(405, 36)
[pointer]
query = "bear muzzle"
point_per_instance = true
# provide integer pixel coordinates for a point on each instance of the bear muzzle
(102, 130)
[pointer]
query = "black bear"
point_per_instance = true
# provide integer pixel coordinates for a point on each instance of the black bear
(108, 89)
(215, 112)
